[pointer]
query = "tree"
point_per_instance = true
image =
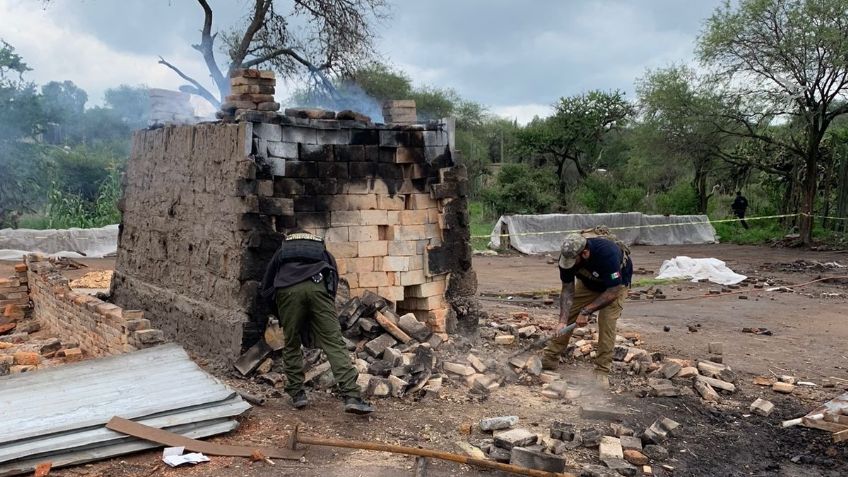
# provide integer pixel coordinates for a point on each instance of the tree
(319, 37)
(132, 103)
(63, 104)
(576, 132)
(20, 121)
(783, 61)
(679, 115)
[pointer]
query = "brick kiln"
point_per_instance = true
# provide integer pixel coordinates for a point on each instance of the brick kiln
(205, 205)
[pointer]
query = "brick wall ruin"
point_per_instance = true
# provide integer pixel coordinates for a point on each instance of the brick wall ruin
(205, 205)
(97, 327)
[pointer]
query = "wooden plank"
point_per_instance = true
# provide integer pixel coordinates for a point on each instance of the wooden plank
(170, 439)
(840, 436)
(392, 328)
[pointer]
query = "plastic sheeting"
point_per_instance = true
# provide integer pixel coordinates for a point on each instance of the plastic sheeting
(93, 243)
(711, 269)
(533, 234)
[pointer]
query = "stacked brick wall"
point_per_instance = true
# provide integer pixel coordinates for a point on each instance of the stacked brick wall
(14, 298)
(379, 197)
(100, 328)
(205, 205)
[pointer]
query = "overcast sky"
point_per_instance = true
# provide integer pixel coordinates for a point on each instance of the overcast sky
(515, 56)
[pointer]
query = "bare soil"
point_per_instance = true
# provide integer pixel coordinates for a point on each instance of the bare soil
(809, 335)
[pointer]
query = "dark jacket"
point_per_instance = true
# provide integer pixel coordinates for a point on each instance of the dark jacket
(284, 270)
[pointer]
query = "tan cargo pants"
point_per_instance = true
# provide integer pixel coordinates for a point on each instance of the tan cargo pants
(607, 318)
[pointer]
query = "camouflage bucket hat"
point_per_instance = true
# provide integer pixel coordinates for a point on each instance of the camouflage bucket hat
(571, 248)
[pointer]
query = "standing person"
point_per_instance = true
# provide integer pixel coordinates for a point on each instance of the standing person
(603, 270)
(739, 206)
(302, 279)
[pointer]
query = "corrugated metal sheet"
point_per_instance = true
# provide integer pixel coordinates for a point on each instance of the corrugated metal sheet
(59, 414)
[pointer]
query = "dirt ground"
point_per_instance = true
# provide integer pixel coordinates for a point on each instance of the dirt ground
(809, 335)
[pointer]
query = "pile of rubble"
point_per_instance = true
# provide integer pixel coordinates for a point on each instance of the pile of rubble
(251, 91)
(393, 354)
(623, 450)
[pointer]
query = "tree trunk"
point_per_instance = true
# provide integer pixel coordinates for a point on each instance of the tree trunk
(700, 183)
(560, 179)
(827, 190)
(842, 195)
(808, 199)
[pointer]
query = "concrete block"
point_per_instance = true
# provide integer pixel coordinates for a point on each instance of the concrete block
(630, 443)
(476, 363)
(504, 339)
(610, 448)
(397, 386)
(717, 383)
(514, 438)
(533, 365)
(379, 387)
(499, 454)
(278, 166)
(670, 370)
(705, 390)
(379, 344)
(457, 368)
(498, 423)
(268, 132)
(533, 459)
(762, 407)
(286, 150)
(414, 328)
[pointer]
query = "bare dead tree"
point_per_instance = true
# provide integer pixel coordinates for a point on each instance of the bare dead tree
(312, 38)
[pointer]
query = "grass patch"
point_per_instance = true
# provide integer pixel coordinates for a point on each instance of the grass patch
(759, 232)
(34, 221)
(649, 282)
(481, 225)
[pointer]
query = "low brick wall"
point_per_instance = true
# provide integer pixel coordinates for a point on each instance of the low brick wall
(100, 328)
(13, 293)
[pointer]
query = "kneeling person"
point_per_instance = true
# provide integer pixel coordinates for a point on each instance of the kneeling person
(302, 279)
(604, 271)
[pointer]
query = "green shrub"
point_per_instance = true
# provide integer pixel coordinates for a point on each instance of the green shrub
(66, 209)
(681, 199)
(603, 193)
(520, 189)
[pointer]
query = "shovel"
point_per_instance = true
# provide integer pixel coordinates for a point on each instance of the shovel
(272, 340)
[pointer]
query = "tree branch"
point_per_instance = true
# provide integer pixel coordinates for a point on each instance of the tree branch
(205, 47)
(201, 91)
(260, 10)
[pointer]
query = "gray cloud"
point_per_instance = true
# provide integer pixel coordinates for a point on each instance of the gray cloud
(510, 55)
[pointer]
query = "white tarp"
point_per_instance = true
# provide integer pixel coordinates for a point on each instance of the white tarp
(93, 243)
(711, 269)
(533, 234)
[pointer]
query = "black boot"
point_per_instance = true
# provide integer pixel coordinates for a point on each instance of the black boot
(299, 400)
(355, 405)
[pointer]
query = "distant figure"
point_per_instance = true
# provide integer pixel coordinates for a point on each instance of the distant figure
(739, 206)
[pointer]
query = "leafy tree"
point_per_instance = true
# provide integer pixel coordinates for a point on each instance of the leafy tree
(63, 104)
(577, 132)
(316, 37)
(679, 118)
(521, 189)
(20, 121)
(783, 60)
(131, 103)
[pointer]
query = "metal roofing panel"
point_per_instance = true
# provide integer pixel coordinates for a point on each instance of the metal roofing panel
(100, 436)
(89, 393)
(63, 459)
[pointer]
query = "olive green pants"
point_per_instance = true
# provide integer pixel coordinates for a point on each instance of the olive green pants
(309, 304)
(607, 318)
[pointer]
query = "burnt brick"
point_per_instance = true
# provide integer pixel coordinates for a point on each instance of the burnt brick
(387, 155)
(349, 153)
(276, 206)
(301, 169)
(319, 153)
(325, 186)
(358, 170)
(284, 186)
(389, 171)
(411, 139)
(310, 204)
(335, 170)
(365, 137)
(372, 153)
